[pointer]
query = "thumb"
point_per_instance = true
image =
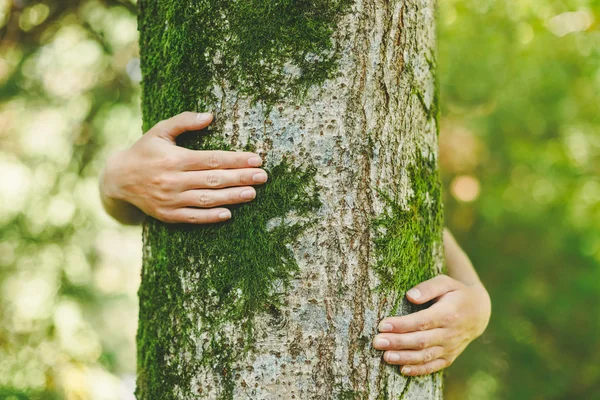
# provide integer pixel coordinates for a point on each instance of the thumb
(432, 288)
(170, 128)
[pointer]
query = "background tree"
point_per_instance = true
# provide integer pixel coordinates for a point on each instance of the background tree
(283, 300)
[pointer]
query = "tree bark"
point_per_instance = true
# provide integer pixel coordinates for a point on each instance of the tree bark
(283, 300)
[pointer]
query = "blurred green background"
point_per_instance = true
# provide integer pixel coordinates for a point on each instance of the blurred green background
(519, 147)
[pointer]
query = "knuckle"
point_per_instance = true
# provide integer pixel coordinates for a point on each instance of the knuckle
(160, 197)
(166, 182)
(213, 180)
(422, 343)
(204, 200)
(193, 219)
(213, 160)
(168, 161)
(452, 316)
(156, 180)
(427, 356)
(423, 325)
(162, 184)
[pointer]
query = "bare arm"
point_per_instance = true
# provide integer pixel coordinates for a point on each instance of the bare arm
(459, 265)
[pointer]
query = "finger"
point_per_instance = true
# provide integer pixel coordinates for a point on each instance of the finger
(206, 198)
(432, 317)
(432, 288)
(195, 216)
(408, 341)
(413, 357)
(194, 160)
(186, 121)
(425, 369)
(220, 178)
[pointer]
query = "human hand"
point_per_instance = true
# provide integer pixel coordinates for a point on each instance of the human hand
(431, 339)
(174, 184)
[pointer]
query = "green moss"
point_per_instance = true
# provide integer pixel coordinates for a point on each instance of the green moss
(406, 237)
(188, 46)
(346, 394)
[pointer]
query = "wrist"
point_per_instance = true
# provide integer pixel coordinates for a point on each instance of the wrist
(109, 180)
(484, 305)
(113, 197)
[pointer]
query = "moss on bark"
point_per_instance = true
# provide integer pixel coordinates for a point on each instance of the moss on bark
(266, 50)
(408, 236)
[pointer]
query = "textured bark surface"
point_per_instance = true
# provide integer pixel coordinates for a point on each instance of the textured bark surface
(359, 222)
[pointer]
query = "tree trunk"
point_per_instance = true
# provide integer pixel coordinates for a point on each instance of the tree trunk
(283, 300)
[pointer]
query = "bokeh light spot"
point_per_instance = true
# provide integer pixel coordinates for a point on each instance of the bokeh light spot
(465, 188)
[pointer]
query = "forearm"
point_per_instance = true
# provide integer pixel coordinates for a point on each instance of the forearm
(458, 264)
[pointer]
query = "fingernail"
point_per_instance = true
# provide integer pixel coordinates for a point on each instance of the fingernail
(393, 357)
(259, 177)
(385, 327)
(414, 293)
(248, 194)
(405, 370)
(381, 342)
(203, 117)
(255, 161)
(225, 215)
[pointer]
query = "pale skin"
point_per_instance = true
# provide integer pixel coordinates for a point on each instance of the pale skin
(156, 177)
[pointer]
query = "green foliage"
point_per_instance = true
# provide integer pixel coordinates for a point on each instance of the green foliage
(409, 236)
(14, 394)
(519, 86)
(68, 308)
